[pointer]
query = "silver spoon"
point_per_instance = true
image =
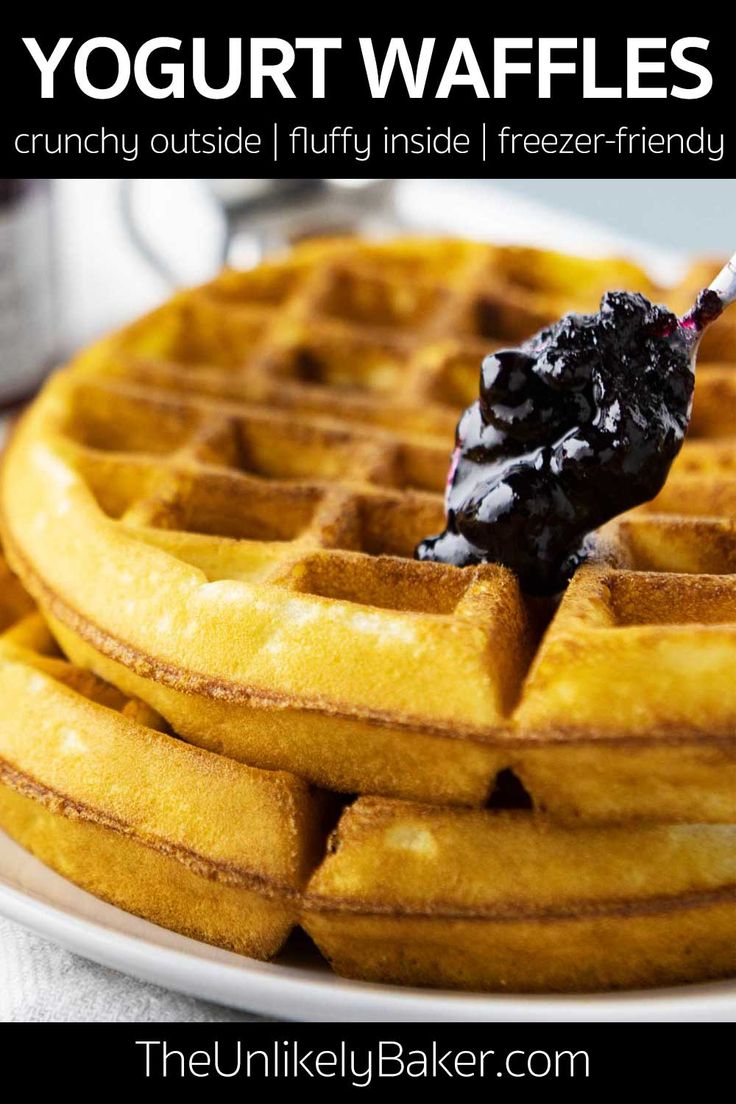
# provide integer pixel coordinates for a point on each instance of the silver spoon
(711, 302)
(724, 284)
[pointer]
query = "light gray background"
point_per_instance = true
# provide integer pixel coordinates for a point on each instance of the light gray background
(698, 215)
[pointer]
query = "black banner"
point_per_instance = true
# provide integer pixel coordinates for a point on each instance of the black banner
(470, 1061)
(308, 97)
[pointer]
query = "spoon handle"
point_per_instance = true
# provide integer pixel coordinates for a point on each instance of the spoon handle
(724, 284)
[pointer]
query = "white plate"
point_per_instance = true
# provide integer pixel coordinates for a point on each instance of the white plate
(298, 985)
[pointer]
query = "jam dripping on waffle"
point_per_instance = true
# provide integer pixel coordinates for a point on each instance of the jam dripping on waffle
(577, 425)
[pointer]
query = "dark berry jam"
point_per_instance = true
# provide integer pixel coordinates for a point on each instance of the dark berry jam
(578, 424)
(708, 307)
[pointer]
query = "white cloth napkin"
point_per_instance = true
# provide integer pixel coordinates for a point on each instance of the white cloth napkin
(43, 983)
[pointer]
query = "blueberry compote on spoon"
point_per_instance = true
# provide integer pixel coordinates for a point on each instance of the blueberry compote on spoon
(578, 424)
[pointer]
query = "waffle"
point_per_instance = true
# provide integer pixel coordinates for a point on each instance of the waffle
(94, 785)
(217, 507)
(98, 788)
(473, 899)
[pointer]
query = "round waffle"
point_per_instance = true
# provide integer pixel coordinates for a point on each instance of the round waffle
(217, 509)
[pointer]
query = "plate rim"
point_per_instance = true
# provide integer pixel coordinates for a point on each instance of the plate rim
(268, 988)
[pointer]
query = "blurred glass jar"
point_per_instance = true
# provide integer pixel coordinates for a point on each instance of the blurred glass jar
(27, 287)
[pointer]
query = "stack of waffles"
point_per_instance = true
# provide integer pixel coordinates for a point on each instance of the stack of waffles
(233, 702)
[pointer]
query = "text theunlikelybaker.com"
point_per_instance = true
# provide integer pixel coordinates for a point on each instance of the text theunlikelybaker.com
(490, 143)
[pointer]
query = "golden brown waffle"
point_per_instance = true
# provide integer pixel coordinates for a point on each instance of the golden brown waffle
(216, 509)
(471, 899)
(91, 782)
(94, 786)
(633, 692)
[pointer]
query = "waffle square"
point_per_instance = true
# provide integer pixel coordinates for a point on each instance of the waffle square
(634, 681)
